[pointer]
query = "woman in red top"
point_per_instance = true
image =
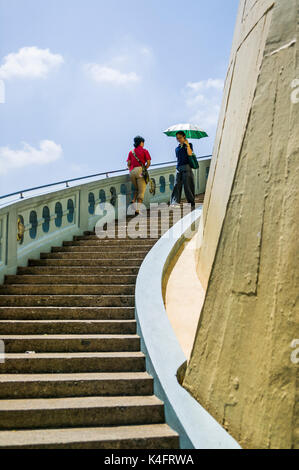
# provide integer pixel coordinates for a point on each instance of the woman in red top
(135, 168)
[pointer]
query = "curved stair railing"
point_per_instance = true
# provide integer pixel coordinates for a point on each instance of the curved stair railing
(164, 357)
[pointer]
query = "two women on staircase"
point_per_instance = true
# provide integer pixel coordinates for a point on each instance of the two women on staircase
(140, 159)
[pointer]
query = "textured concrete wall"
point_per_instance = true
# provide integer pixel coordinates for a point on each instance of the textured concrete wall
(240, 368)
(252, 29)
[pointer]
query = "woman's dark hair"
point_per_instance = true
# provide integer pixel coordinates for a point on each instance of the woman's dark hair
(137, 141)
(181, 133)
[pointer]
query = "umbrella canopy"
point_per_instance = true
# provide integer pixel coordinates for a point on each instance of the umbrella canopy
(192, 131)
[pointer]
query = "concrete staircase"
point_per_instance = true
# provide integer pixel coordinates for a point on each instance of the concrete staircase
(74, 375)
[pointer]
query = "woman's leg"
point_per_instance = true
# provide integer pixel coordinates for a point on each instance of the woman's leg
(134, 182)
(189, 185)
(135, 196)
(141, 189)
(177, 190)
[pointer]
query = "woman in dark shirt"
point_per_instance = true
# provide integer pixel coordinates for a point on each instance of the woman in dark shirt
(184, 173)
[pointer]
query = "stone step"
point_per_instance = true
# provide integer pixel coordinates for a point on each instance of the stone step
(144, 235)
(92, 237)
(66, 327)
(72, 355)
(100, 248)
(85, 279)
(143, 221)
(67, 313)
(82, 270)
(120, 227)
(97, 255)
(169, 216)
(123, 233)
(67, 300)
(109, 243)
(83, 411)
(154, 212)
(66, 289)
(128, 232)
(158, 213)
(70, 343)
(121, 230)
(153, 436)
(136, 263)
(55, 363)
(72, 385)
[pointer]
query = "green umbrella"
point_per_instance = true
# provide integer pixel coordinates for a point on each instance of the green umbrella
(191, 130)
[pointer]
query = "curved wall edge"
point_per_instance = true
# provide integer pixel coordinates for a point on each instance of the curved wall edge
(196, 427)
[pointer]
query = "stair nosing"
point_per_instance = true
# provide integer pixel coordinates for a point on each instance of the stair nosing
(74, 376)
(35, 404)
(68, 436)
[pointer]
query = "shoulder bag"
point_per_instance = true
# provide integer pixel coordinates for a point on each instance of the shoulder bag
(145, 173)
(193, 162)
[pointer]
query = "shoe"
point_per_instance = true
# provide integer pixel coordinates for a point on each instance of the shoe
(175, 206)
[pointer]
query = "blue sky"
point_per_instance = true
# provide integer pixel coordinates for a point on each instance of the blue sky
(83, 77)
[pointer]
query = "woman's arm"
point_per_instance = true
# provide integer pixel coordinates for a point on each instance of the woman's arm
(189, 149)
(148, 159)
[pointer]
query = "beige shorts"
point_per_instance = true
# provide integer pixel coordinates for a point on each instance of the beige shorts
(138, 181)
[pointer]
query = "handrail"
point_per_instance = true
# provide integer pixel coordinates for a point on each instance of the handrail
(164, 356)
(66, 182)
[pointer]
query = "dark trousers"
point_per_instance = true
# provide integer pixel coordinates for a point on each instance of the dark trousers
(184, 178)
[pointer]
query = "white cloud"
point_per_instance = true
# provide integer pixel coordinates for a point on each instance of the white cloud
(29, 62)
(104, 74)
(120, 68)
(203, 100)
(216, 84)
(47, 152)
